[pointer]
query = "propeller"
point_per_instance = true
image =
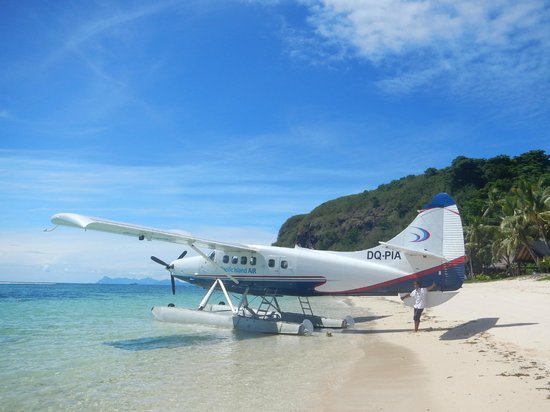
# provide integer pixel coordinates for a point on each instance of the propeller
(162, 262)
(182, 255)
(169, 267)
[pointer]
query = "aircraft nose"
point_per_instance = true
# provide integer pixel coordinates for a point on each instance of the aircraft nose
(188, 266)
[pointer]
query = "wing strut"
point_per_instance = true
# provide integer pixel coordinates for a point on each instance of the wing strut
(204, 300)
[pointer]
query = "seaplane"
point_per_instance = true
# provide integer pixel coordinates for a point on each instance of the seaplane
(430, 250)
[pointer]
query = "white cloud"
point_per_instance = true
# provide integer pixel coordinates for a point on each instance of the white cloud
(480, 48)
(239, 184)
(378, 29)
(109, 22)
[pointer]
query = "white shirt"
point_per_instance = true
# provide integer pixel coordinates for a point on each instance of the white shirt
(419, 296)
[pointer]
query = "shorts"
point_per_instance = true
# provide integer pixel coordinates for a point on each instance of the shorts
(417, 313)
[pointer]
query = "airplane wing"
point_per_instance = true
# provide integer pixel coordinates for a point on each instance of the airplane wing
(141, 232)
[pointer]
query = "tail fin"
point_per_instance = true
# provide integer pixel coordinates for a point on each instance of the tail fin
(436, 232)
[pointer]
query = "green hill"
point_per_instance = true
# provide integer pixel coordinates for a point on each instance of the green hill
(359, 221)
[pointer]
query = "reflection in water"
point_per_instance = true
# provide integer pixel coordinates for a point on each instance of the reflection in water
(164, 342)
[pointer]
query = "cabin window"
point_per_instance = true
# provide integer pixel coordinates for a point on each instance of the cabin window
(235, 260)
(271, 263)
(243, 260)
(253, 260)
(225, 259)
(212, 255)
(284, 264)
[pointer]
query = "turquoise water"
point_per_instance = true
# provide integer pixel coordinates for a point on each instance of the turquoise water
(97, 347)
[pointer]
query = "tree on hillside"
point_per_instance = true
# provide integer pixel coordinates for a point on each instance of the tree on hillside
(532, 164)
(500, 172)
(466, 172)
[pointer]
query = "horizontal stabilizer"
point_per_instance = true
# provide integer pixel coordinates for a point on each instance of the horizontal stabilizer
(409, 251)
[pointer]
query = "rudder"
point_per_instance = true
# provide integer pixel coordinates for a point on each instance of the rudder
(437, 232)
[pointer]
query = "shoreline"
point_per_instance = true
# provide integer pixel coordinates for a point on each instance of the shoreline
(487, 347)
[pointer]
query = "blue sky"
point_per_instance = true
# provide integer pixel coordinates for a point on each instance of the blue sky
(224, 118)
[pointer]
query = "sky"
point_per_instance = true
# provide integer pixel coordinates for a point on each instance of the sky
(225, 118)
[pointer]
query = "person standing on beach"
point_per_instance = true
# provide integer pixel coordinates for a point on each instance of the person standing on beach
(419, 294)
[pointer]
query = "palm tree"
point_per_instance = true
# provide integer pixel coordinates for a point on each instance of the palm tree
(524, 216)
(478, 244)
(471, 237)
(492, 205)
(533, 202)
(503, 244)
(504, 247)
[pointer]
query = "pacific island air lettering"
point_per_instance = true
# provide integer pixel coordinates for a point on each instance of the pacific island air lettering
(383, 255)
(233, 269)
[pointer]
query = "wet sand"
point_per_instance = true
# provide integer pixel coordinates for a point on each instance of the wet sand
(486, 349)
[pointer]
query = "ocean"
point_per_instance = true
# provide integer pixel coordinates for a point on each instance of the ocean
(91, 347)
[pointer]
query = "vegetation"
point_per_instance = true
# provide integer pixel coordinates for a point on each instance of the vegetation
(504, 203)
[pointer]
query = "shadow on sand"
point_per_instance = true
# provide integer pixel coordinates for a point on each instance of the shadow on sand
(463, 331)
(363, 319)
(373, 331)
(474, 327)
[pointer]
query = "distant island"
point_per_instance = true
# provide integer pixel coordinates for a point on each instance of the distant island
(106, 280)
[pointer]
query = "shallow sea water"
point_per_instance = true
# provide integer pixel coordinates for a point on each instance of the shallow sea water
(97, 347)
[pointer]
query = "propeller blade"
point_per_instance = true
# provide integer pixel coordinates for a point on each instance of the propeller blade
(169, 267)
(160, 262)
(183, 254)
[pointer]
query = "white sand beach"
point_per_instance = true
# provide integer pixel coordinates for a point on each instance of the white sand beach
(486, 349)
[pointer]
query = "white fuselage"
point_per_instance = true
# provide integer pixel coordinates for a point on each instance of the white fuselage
(306, 272)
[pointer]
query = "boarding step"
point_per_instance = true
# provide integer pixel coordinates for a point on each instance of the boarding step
(269, 306)
(306, 306)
